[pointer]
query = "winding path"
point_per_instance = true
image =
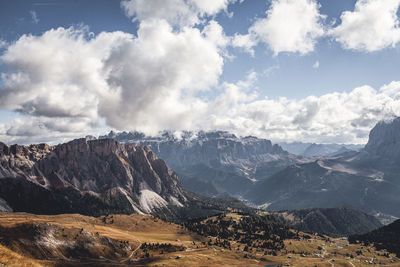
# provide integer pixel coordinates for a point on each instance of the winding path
(130, 256)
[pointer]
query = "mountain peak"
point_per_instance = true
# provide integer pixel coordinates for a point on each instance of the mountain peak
(384, 139)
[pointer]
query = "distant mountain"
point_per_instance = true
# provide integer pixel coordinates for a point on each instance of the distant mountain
(341, 221)
(296, 148)
(87, 177)
(312, 149)
(215, 163)
(368, 180)
(386, 237)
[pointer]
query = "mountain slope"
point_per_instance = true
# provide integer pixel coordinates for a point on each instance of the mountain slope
(320, 185)
(386, 237)
(213, 163)
(367, 179)
(341, 221)
(88, 177)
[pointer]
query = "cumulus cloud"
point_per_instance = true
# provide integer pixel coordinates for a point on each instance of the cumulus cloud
(57, 74)
(126, 82)
(372, 26)
(245, 42)
(290, 26)
(345, 117)
(176, 12)
(68, 83)
(146, 82)
(32, 129)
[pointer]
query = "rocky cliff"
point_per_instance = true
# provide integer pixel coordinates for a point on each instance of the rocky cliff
(88, 177)
(383, 145)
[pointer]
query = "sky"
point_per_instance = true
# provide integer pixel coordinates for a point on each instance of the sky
(323, 71)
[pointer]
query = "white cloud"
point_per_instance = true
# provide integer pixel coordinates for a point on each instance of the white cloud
(135, 83)
(316, 64)
(372, 26)
(290, 26)
(146, 82)
(333, 117)
(270, 70)
(35, 18)
(157, 90)
(176, 12)
(30, 129)
(211, 7)
(245, 41)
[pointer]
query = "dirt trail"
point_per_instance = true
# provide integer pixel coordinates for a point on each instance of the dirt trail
(130, 256)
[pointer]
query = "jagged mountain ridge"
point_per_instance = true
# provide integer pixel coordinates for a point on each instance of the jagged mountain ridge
(88, 177)
(368, 179)
(217, 162)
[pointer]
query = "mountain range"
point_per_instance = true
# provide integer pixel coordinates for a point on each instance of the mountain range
(367, 179)
(126, 173)
(215, 163)
(313, 149)
(262, 173)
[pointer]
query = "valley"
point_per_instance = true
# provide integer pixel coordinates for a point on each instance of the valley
(144, 240)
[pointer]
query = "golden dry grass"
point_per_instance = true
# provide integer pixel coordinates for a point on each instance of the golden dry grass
(138, 229)
(10, 258)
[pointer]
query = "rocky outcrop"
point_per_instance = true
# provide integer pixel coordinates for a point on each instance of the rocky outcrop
(86, 176)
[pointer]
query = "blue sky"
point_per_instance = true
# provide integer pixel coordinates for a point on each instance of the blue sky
(332, 90)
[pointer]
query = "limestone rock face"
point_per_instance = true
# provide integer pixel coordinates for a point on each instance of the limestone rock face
(87, 176)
